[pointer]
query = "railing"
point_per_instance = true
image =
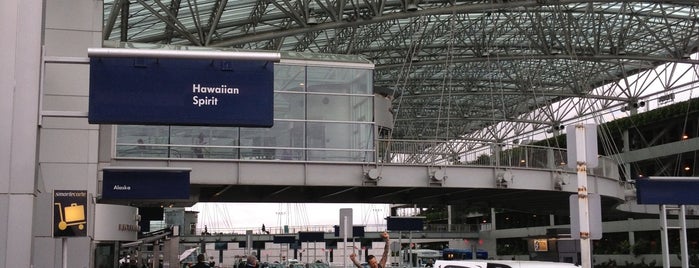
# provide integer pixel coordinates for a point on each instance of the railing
(470, 153)
(405, 152)
(275, 230)
(230, 152)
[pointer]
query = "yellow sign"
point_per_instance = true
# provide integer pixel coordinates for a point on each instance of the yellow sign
(541, 245)
(72, 215)
(69, 213)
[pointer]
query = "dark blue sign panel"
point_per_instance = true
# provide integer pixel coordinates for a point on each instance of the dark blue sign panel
(168, 91)
(404, 223)
(145, 184)
(667, 192)
(69, 213)
(357, 231)
(283, 239)
(311, 236)
(220, 245)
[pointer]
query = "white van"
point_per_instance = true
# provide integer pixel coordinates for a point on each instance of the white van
(501, 264)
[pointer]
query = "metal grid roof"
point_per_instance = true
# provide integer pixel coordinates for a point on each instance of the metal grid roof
(482, 70)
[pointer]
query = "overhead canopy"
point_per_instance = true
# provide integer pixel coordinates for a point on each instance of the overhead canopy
(479, 70)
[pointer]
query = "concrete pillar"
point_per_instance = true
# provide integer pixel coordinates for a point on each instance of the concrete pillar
(19, 105)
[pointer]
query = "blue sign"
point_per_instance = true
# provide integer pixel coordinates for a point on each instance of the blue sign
(145, 184)
(667, 191)
(357, 231)
(405, 223)
(152, 91)
(311, 236)
(286, 239)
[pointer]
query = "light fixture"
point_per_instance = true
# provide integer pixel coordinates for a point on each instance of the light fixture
(685, 136)
(638, 104)
(410, 5)
(311, 19)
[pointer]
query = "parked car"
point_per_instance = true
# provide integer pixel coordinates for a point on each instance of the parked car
(501, 264)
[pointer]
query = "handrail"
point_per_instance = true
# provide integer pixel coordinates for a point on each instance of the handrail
(394, 152)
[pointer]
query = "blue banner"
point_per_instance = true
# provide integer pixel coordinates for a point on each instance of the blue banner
(667, 192)
(199, 92)
(145, 184)
(405, 223)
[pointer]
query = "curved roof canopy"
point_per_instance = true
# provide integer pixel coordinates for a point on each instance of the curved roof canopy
(480, 70)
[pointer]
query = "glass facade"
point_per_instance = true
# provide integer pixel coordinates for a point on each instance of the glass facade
(321, 113)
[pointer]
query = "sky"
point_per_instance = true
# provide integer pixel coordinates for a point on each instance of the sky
(226, 217)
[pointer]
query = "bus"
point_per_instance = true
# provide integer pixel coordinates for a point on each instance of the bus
(421, 257)
(463, 254)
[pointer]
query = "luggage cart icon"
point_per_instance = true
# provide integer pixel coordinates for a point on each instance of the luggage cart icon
(73, 215)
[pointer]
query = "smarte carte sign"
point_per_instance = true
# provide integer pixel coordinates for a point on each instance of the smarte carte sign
(69, 213)
(181, 91)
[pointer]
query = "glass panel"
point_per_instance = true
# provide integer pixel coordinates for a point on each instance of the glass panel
(340, 108)
(339, 80)
(285, 140)
(340, 136)
(277, 142)
(104, 255)
(142, 141)
(289, 106)
(142, 134)
(289, 78)
(209, 142)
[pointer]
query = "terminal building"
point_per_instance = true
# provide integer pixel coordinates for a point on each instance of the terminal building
(118, 114)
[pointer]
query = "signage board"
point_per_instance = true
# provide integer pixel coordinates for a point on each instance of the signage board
(283, 239)
(346, 222)
(181, 91)
(405, 223)
(541, 245)
(594, 215)
(69, 213)
(116, 223)
(357, 231)
(311, 237)
(145, 184)
(668, 191)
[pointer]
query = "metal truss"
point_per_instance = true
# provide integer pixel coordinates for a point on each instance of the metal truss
(490, 70)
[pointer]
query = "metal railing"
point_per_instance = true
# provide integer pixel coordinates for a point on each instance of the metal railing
(276, 230)
(468, 153)
(404, 152)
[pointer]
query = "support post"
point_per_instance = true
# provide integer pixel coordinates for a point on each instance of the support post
(684, 252)
(344, 239)
(583, 205)
(664, 243)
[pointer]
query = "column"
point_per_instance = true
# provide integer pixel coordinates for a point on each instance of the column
(19, 104)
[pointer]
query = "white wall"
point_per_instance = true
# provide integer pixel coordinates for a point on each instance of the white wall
(67, 144)
(20, 48)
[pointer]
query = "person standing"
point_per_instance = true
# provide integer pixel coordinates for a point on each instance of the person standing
(251, 262)
(201, 262)
(371, 259)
